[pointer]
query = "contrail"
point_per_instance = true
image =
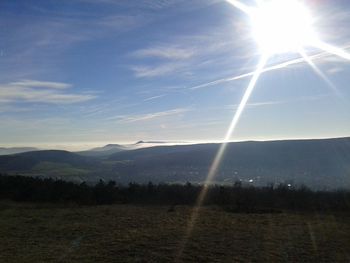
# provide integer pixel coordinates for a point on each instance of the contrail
(249, 74)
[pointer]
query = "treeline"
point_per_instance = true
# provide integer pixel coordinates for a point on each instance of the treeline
(235, 198)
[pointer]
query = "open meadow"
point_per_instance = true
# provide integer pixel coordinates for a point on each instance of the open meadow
(130, 233)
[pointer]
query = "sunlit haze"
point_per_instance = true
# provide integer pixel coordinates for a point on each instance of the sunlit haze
(278, 27)
(175, 130)
(82, 73)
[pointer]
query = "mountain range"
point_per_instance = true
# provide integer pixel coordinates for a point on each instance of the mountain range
(319, 164)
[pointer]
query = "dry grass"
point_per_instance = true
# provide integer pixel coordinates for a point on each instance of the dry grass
(125, 233)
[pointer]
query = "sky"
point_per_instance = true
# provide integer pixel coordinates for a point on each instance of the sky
(77, 73)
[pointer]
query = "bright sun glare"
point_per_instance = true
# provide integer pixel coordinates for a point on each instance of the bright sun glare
(278, 26)
(282, 26)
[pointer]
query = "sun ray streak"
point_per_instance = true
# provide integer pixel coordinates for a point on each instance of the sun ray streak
(246, 97)
(273, 36)
(270, 68)
(246, 9)
(319, 72)
(332, 49)
(218, 157)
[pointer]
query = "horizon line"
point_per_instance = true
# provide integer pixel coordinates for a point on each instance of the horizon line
(84, 146)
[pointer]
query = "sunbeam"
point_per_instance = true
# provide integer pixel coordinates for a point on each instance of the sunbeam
(270, 68)
(319, 72)
(246, 9)
(332, 49)
(219, 155)
(278, 27)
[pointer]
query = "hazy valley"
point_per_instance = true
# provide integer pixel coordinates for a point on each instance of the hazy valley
(319, 164)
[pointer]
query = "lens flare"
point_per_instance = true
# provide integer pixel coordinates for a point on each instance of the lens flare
(278, 27)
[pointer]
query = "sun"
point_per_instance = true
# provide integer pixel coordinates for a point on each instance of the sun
(282, 26)
(278, 26)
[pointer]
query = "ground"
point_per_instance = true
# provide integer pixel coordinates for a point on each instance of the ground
(130, 233)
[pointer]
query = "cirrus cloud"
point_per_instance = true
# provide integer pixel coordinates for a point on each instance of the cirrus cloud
(40, 92)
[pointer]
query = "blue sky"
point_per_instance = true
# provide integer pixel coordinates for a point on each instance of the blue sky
(82, 72)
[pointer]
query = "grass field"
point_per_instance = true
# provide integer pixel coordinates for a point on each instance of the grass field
(126, 233)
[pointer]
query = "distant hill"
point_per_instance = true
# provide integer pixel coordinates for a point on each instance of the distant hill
(104, 151)
(110, 149)
(48, 163)
(159, 142)
(316, 163)
(14, 150)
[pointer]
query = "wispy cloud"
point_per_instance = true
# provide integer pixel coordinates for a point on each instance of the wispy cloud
(154, 97)
(41, 84)
(264, 103)
(37, 44)
(155, 71)
(149, 116)
(183, 54)
(120, 23)
(10, 108)
(335, 70)
(278, 102)
(144, 4)
(165, 52)
(40, 91)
